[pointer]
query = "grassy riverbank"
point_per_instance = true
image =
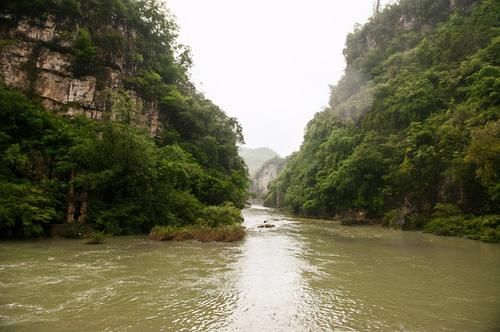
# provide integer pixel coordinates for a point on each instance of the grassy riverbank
(484, 228)
(226, 233)
(443, 220)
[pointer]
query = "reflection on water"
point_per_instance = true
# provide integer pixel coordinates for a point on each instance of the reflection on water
(298, 276)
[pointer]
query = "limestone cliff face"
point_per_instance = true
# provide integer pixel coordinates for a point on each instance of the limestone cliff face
(35, 57)
(267, 173)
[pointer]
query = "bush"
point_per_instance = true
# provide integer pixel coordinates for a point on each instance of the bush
(24, 209)
(121, 219)
(445, 210)
(162, 233)
(84, 54)
(398, 219)
(414, 221)
(485, 228)
(226, 214)
(96, 238)
(394, 218)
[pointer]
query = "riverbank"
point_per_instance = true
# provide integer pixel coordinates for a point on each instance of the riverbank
(202, 233)
(444, 221)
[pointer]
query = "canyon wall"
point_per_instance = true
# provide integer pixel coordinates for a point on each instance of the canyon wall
(35, 57)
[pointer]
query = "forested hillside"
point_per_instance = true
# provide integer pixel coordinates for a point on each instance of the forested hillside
(159, 153)
(412, 132)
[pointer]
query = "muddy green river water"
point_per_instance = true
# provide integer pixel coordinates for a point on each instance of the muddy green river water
(300, 276)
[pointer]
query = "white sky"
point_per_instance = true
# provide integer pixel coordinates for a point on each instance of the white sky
(268, 62)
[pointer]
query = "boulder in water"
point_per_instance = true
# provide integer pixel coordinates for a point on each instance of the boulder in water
(266, 226)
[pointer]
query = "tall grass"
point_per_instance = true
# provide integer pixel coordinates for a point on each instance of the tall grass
(225, 233)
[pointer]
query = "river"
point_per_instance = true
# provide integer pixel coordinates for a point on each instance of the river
(299, 276)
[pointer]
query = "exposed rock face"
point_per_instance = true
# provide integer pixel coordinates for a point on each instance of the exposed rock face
(39, 30)
(37, 59)
(63, 90)
(13, 60)
(54, 62)
(265, 176)
(267, 173)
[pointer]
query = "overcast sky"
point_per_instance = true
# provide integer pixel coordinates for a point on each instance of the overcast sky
(268, 62)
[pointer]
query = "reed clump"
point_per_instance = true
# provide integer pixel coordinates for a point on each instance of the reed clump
(203, 233)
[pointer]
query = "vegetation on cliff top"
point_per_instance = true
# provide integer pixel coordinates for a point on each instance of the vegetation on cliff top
(109, 173)
(413, 123)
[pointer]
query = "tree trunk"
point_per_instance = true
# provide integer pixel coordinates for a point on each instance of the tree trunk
(70, 215)
(83, 208)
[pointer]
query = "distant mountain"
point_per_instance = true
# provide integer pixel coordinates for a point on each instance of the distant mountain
(255, 158)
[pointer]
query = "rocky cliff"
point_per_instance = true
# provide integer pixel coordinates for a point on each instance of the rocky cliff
(265, 174)
(35, 57)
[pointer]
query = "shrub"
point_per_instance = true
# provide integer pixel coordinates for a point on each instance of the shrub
(394, 218)
(397, 218)
(225, 214)
(25, 209)
(96, 238)
(414, 221)
(445, 210)
(162, 233)
(485, 228)
(84, 54)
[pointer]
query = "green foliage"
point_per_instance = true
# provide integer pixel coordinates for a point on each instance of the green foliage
(33, 144)
(226, 214)
(111, 174)
(400, 219)
(96, 238)
(413, 124)
(103, 37)
(148, 84)
(485, 228)
(394, 218)
(442, 210)
(70, 8)
(122, 182)
(84, 54)
(24, 209)
(484, 153)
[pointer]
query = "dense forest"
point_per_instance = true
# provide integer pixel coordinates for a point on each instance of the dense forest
(411, 136)
(110, 173)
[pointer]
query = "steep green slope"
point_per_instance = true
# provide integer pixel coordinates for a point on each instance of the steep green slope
(412, 132)
(112, 174)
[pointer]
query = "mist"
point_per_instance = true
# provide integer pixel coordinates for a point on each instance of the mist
(268, 63)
